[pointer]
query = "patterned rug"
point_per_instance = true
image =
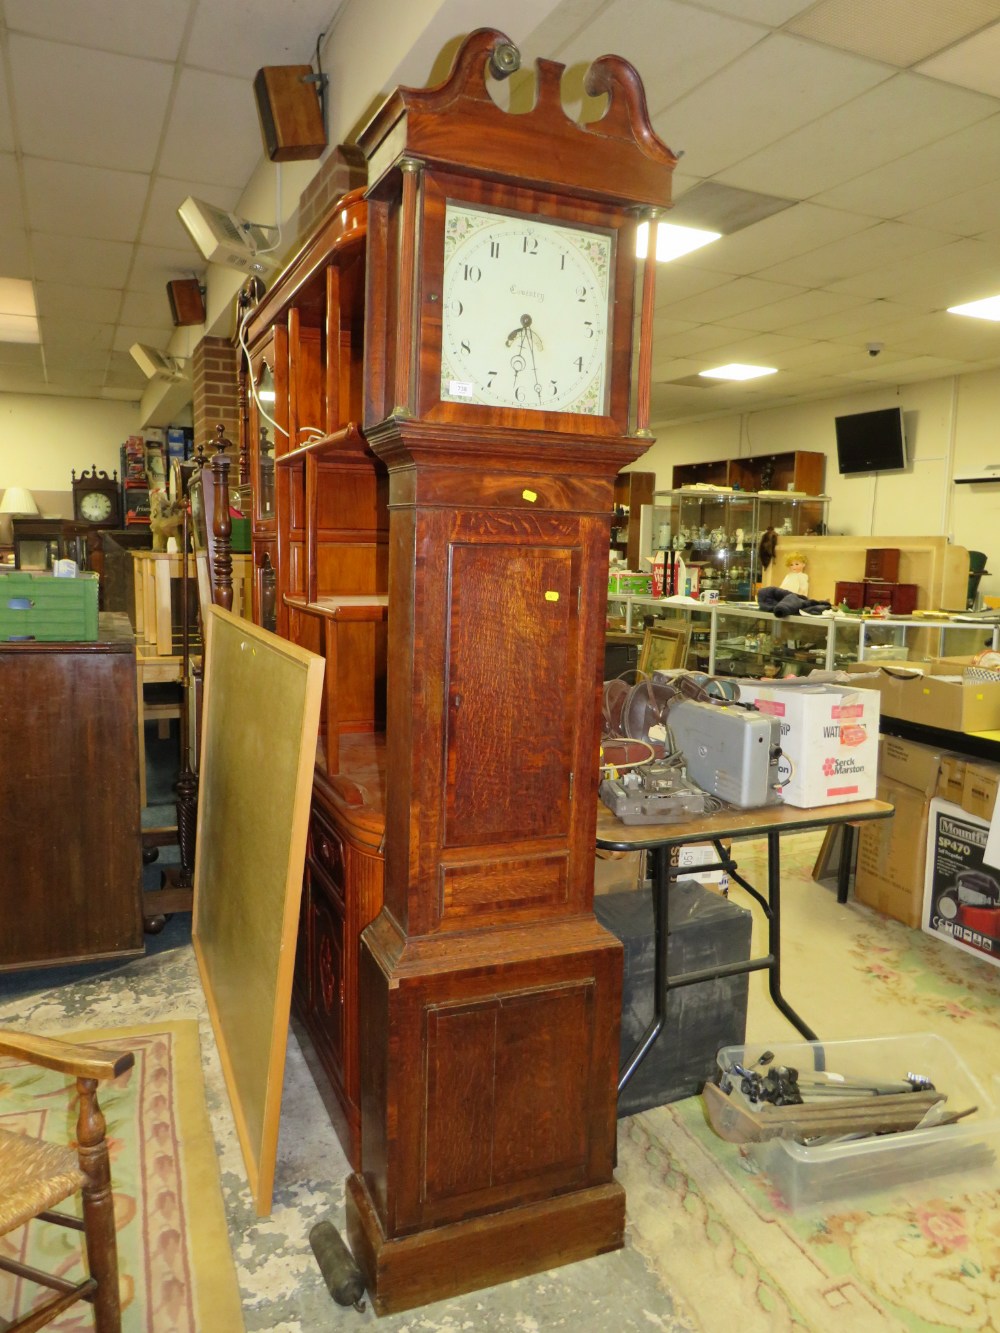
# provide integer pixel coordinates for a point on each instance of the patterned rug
(176, 1269)
(922, 1258)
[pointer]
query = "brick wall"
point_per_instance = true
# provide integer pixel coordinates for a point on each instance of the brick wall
(215, 397)
(342, 170)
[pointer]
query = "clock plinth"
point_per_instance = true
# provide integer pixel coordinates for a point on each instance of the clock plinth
(490, 996)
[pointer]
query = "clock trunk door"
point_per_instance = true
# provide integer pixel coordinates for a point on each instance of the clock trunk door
(511, 696)
(500, 803)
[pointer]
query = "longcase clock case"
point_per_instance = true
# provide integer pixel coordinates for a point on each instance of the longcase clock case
(449, 559)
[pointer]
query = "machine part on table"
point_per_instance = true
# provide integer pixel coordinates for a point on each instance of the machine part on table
(340, 1273)
(621, 752)
(730, 751)
(645, 710)
(657, 793)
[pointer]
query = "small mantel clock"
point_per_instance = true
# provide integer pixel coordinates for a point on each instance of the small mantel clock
(507, 380)
(97, 499)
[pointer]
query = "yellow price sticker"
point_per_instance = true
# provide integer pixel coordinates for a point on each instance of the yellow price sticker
(530, 496)
(552, 597)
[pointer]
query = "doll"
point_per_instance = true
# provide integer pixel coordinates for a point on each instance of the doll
(796, 580)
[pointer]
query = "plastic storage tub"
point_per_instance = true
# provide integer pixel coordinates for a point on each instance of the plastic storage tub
(808, 1176)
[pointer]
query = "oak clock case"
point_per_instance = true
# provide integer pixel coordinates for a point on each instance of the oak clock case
(489, 993)
(97, 499)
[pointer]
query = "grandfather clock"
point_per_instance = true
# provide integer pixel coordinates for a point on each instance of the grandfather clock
(505, 387)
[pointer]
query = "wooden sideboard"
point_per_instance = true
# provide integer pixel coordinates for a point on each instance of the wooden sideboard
(70, 843)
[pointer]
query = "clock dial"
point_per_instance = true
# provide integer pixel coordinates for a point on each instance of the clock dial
(95, 506)
(524, 312)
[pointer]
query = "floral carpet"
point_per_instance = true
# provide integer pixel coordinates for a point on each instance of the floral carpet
(176, 1270)
(921, 1258)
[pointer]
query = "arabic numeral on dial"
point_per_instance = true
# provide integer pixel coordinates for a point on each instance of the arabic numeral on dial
(531, 245)
(457, 308)
(494, 249)
(466, 348)
(588, 328)
(555, 388)
(490, 377)
(581, 293)
(579, 364)
(519, 394)
(471, 272)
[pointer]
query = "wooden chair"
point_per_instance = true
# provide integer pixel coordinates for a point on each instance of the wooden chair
(36, 1175)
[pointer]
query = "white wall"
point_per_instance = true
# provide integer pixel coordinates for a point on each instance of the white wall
(43, 437)
(951, 426)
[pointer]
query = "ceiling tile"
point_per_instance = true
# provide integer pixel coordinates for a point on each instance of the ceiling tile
(151, 28)
(699, 44)
(26, 356)
(859, 322)
(76, 335)
(778, 85)
(80, 261)
(783, 314)
(76, 360)
(78, 105)
(884, 243)
(214, 130)
(71, 301)
(149, 308)
(897, 31)
(6, 126)
(263, 34)
(934, 172)
(967, 212)
(71, 200)
(153, 268)
(729, 298)
(795, 231)
(898, 116)
(974, 63)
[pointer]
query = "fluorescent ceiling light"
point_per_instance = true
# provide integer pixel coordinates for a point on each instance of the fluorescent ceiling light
(18, 316)
(736, 371)
(988, 308)
(672, 241)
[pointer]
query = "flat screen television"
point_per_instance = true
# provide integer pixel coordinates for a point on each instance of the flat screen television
(871, 441)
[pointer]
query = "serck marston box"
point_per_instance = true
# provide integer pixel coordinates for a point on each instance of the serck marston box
(829, 739)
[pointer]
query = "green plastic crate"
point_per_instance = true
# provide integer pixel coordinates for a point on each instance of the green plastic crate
(47, 609)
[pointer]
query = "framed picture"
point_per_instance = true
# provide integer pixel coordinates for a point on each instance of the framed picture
(664, 647)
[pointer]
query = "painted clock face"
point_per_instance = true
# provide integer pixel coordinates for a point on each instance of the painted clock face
(95, 506)
(525, 308)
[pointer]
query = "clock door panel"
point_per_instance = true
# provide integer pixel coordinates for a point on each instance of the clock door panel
(512, 629)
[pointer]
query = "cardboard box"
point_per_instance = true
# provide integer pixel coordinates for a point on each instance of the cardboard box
(951, 779)
(623, 582)
(892, 855)
(892, 852)
(979, 789)
(961, 892)
(691, 856)
(935, 696)
(912, 764)
(829, 739)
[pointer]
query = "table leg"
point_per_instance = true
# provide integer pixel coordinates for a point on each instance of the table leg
(660, 857)
(848, 842)
(774, 936)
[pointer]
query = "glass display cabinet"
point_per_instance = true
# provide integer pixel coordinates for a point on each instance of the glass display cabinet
(729, 640)
(719, 531)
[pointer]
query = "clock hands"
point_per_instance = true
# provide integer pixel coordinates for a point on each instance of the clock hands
(526, 337)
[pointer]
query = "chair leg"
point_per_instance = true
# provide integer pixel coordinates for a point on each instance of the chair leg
(98, 1209)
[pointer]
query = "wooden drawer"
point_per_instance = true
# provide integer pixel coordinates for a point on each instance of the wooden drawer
(326, 852)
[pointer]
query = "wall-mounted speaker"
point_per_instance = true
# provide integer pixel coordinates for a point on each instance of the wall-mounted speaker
(291, 117)
(187, 301)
